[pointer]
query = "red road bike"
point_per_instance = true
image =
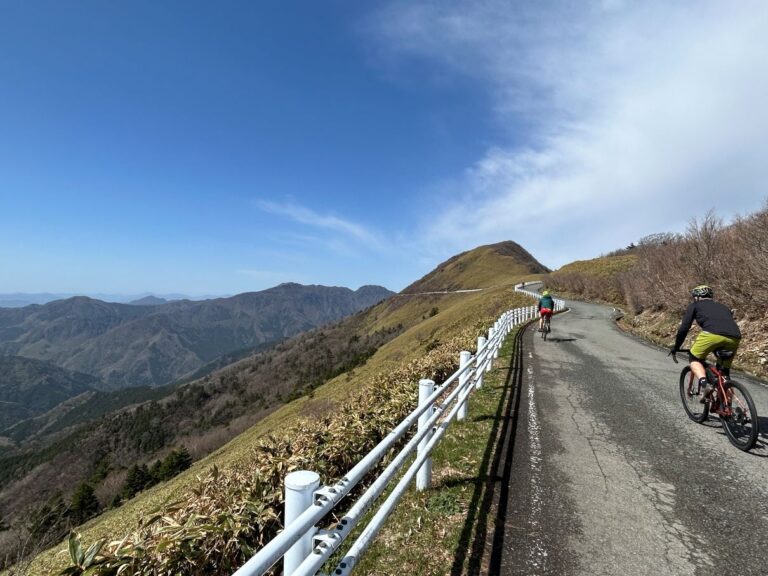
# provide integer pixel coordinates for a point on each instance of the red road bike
(729, 400)
(546, 329)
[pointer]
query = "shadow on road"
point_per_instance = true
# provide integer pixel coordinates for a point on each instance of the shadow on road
(550, 339)
(760, 449)
(493, 487)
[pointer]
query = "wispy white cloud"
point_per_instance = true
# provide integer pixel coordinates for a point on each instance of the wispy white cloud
(636, 116)
(339, 226)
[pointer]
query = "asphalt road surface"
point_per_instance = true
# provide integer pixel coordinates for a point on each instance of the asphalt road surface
(608, 474)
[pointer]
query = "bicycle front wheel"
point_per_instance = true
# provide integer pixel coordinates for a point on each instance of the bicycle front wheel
(740, 418)
(691, 394)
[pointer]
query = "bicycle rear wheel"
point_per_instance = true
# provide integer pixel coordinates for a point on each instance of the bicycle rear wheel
(741, 423)
(691, 395)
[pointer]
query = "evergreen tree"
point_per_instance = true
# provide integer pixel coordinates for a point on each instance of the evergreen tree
(85, 505)
(117, 501)
(156, 471)
(137, 480)
(177, 461)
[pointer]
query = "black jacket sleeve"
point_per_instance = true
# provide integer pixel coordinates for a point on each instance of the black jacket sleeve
(685, 325)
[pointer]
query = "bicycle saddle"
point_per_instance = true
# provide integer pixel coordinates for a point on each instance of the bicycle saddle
(724, 354)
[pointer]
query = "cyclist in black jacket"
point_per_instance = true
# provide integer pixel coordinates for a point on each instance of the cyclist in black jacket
(719, 331)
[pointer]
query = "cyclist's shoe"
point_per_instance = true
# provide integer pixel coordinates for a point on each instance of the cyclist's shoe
(706, 389)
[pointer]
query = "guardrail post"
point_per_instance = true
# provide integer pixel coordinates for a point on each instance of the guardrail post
(424, 475)
(300, 487)
(481, 342)
(463, 361)
(489, 364)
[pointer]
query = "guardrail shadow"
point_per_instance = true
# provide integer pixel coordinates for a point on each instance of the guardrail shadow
(491, 491)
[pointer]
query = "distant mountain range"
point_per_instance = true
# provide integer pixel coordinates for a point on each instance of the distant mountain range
(21, 299)
(124, 345)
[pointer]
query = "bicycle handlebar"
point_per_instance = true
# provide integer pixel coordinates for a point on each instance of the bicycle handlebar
(674, 355)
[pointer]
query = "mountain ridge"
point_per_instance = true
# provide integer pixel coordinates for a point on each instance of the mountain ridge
(129, 345)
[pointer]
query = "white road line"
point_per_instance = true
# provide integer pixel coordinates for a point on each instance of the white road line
(537, 552)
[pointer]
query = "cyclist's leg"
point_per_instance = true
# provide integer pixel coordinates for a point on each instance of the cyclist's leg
(717, 342)
(541, 321)
(702, 346)
(697, 366)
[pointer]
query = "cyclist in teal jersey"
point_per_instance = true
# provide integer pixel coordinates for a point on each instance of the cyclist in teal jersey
(546, 308)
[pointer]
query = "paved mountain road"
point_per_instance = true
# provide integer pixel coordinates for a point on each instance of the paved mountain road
(609, 476)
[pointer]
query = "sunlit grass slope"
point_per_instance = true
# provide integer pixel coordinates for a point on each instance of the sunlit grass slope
(483, 267)
(428, 320)
(602, 267)
(597, 279)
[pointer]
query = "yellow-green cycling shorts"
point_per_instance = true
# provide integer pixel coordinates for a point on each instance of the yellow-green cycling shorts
(706, 343)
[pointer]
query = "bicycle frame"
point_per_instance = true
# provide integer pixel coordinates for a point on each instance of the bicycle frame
(721, 399)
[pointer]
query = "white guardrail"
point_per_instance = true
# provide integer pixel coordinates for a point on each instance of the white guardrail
(303, 547)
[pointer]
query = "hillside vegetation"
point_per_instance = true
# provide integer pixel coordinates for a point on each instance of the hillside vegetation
(483, 267)
(596, 279)
(653, 280)
(229, 502)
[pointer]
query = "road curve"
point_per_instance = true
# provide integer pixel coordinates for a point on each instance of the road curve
(609, 476)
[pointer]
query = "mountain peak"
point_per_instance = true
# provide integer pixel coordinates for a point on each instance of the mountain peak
(150, 300)
(481, 267)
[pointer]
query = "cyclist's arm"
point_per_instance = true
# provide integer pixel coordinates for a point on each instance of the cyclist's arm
(538, 306)
(685, 325)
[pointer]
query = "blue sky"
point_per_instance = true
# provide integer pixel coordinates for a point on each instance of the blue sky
(217, 148)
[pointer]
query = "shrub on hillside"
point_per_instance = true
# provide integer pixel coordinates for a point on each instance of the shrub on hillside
(733, 259)
(230, 513)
